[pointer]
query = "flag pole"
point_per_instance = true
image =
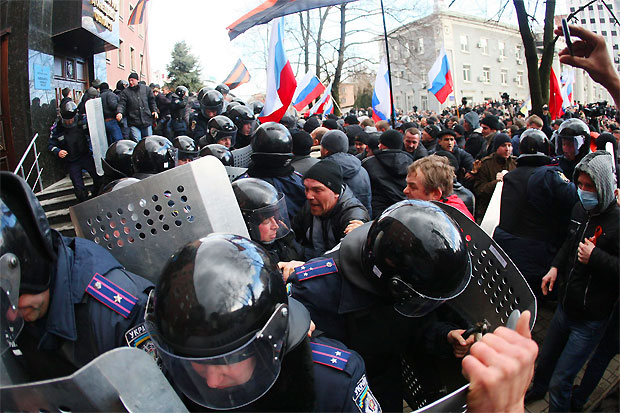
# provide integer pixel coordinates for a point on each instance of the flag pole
(387, 52)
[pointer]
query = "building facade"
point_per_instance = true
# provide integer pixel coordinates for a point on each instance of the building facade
(48, 45)
(597, 18)
(486, 59)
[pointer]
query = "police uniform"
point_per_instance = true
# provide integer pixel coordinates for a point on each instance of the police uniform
(177, 111)
(363, 321)
(95, 305)
(340, 382)
(79, 156)
(199, 126)
(290, 185)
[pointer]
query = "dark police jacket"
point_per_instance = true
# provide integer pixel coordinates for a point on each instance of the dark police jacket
(75, 141)
(94, 303)
(363, 321)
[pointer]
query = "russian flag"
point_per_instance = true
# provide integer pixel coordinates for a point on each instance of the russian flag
(381, 95)
(325, 104)
(440, 78)
(308, 89)
(567, 78)
(281, 83)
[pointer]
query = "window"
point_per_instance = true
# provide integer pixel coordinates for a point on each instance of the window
(600, 7)
(58, 66)
(121, 52)
(132, 59)
(80, 70)
(486, 74)
(502, 49)
(504, 75)
(592, 20)
(590, 8)
(420, 45)
(602, 20)
(464, 44)
(466, 73)
(107, 57)
(484, 46)
(519, 79)
(613, 32)
(615, 47)
(141, 63)
(583, 21)
(604, 32)
(424, 102)
(518, 51)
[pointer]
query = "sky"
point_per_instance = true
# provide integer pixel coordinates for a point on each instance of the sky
(202, 24)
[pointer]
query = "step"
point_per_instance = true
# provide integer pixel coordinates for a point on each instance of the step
(61, 202)
(65, 188)
(58, 216)
(66, 229)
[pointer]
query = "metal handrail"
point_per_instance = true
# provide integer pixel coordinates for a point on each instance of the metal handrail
(19, 170)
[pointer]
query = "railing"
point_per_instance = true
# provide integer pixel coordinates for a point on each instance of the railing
(35, 165)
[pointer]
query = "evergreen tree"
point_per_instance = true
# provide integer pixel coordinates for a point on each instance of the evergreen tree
(184, 70)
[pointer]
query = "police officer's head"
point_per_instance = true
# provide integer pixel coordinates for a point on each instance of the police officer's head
(272, 145)
(154, 154)
(243, 118)
(257, 106)
(573, 139)
(415, 256)
(263, 209)
(27, 254)
(117, 162)
(68, 114)
(181, 91)
(223, 89)
(222, 322)
(533, 142)
(220, 152)
(221, 130)
(212, 104)
(187, 149)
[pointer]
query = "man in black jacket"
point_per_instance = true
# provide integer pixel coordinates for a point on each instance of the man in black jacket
(109, 101)
(137, 103)
(387, 170)
(587, 268)
(331, 210)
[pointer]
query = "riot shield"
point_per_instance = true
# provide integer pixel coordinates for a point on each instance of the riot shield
(143, 224)
(123, 379)
(235, 172)
(242, 156)
(96, 128)
(495, 290)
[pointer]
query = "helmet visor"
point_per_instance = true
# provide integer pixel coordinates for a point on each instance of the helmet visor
(234, 379)
(269, 223)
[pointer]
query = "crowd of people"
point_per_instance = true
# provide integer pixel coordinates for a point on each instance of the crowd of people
(348, 262)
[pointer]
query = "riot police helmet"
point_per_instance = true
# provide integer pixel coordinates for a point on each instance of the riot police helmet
(117, 162)
(533, 142)
(230, 106)
(181, 91)
(68, 113)
(238, 100)
(257, 106)
(27, 252)
(118, 184)
(415, 256)
(220, 152)
(122, 84)
(242, 115)
(154, 154)
(223, 89)
(576, 131)
(221, 305)
(273, 145)
(222, 130)
(187, 148)
(202, 92)
(212, 104)
(263, 209)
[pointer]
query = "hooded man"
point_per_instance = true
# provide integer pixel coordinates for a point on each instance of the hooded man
(586, 268)
(473, 138)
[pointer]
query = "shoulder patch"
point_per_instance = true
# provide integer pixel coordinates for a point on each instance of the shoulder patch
(364, 399)
(139, 337)
(316, 269)
(563, 177)
(111, 295)
(329, 356)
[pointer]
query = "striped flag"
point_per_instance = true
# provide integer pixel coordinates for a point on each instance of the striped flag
(381, 100)
(238, 76)
(137, 15)
(308, 89)
(325, 104)
(440, 78)
(271, 9)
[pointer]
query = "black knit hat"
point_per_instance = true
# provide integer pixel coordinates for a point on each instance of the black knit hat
(491, 121)
(133, 75)
(446, 132)
(392, 139)
(362, 137)
(330, 124)
(311, 124)
(351, 120)
(328, 173)
(499, 140)
(302, 143)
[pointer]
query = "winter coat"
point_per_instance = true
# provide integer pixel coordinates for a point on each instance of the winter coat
(109, 101)
(387, 170)
(484, 180)
(137, 104)
(303, 163)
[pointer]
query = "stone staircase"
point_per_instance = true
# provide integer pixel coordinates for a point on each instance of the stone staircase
(56, 200)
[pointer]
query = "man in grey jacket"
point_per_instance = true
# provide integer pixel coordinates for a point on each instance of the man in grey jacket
(137, 104)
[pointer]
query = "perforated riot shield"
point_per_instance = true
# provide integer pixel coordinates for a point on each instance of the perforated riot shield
(123, 379)
(235, 172)
(96, 129)
(495, 290)
(242, 156)
(143, 224)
